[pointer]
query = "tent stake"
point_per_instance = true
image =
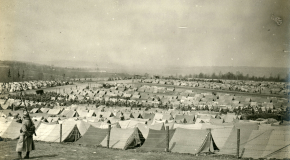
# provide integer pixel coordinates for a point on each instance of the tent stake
(167, 139)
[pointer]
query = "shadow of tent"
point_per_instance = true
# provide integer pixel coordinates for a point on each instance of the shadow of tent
(43, 156)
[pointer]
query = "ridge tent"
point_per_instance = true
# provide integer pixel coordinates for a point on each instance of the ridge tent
(82, 125)
(70, 133)
(192, 141)
(13, 130)
(44, 110)
(2, 114)
(202, 120)
(278, 145)
(44, 115)
(123, 138)
(157, 126)
(130, 123)
(269, 127)
(158, 116)
(229, 118)
(82, 113)
(3, 104)
(189, 118)
(124, 124)
(219, 133)
(170, 125)
(59, 107)
(52, 119)
(256, 144)
(230, 145)
(156, 140)
(216, 121)
(103, 125)
(43, 131)
(69, 113)
(167, 117)
(144, 129)
(137, 115)
(4, 125)
(92, 119)
(128, 115)
(93, 136)
(157, 121)
(113, 120)
(148, 116)
(35, 110)
(178, 117)
(107, 114)
(204, 116)
(91, 113)
(53, 111)
(39, 118)
(188, 126)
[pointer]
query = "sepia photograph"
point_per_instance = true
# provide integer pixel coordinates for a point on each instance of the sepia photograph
(144, 79)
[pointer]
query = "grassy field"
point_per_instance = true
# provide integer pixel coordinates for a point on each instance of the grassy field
(67, 151)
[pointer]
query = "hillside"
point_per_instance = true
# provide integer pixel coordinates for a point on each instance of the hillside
(22, 71)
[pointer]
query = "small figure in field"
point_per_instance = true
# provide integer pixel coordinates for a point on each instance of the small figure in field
(25, 142)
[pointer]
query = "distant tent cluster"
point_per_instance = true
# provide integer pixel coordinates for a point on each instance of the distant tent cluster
(257, 140)
(202, 129)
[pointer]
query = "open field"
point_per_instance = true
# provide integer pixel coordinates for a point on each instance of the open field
(65, 151)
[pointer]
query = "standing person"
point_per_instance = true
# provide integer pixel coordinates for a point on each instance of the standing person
(25, 142)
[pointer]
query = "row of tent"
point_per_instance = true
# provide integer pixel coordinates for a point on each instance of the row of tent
(244, 86)
(29, 85)
(257, 141)
(116, 114)
(186, 97)
(146, 96)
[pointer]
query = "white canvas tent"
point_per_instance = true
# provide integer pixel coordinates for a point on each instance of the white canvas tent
(192, 141)
(123, 138)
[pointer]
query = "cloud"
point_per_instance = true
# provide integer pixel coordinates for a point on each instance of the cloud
(211, 33)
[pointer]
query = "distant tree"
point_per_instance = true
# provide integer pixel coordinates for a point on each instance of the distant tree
(18, 75)
(213, 76)
(40, 75)
(9, 73)
(146, 75)
(23, 75)
(200, 75)
(278, 77)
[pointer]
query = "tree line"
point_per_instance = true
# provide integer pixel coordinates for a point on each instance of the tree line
(230, 76)
(14, 71)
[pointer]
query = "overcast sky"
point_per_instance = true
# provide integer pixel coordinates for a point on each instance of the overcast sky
(154, 33)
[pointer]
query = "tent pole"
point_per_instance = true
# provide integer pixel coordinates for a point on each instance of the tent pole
(75, 134)
(108, 137)
(167, 139)
(60, 132)
(238, 143)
